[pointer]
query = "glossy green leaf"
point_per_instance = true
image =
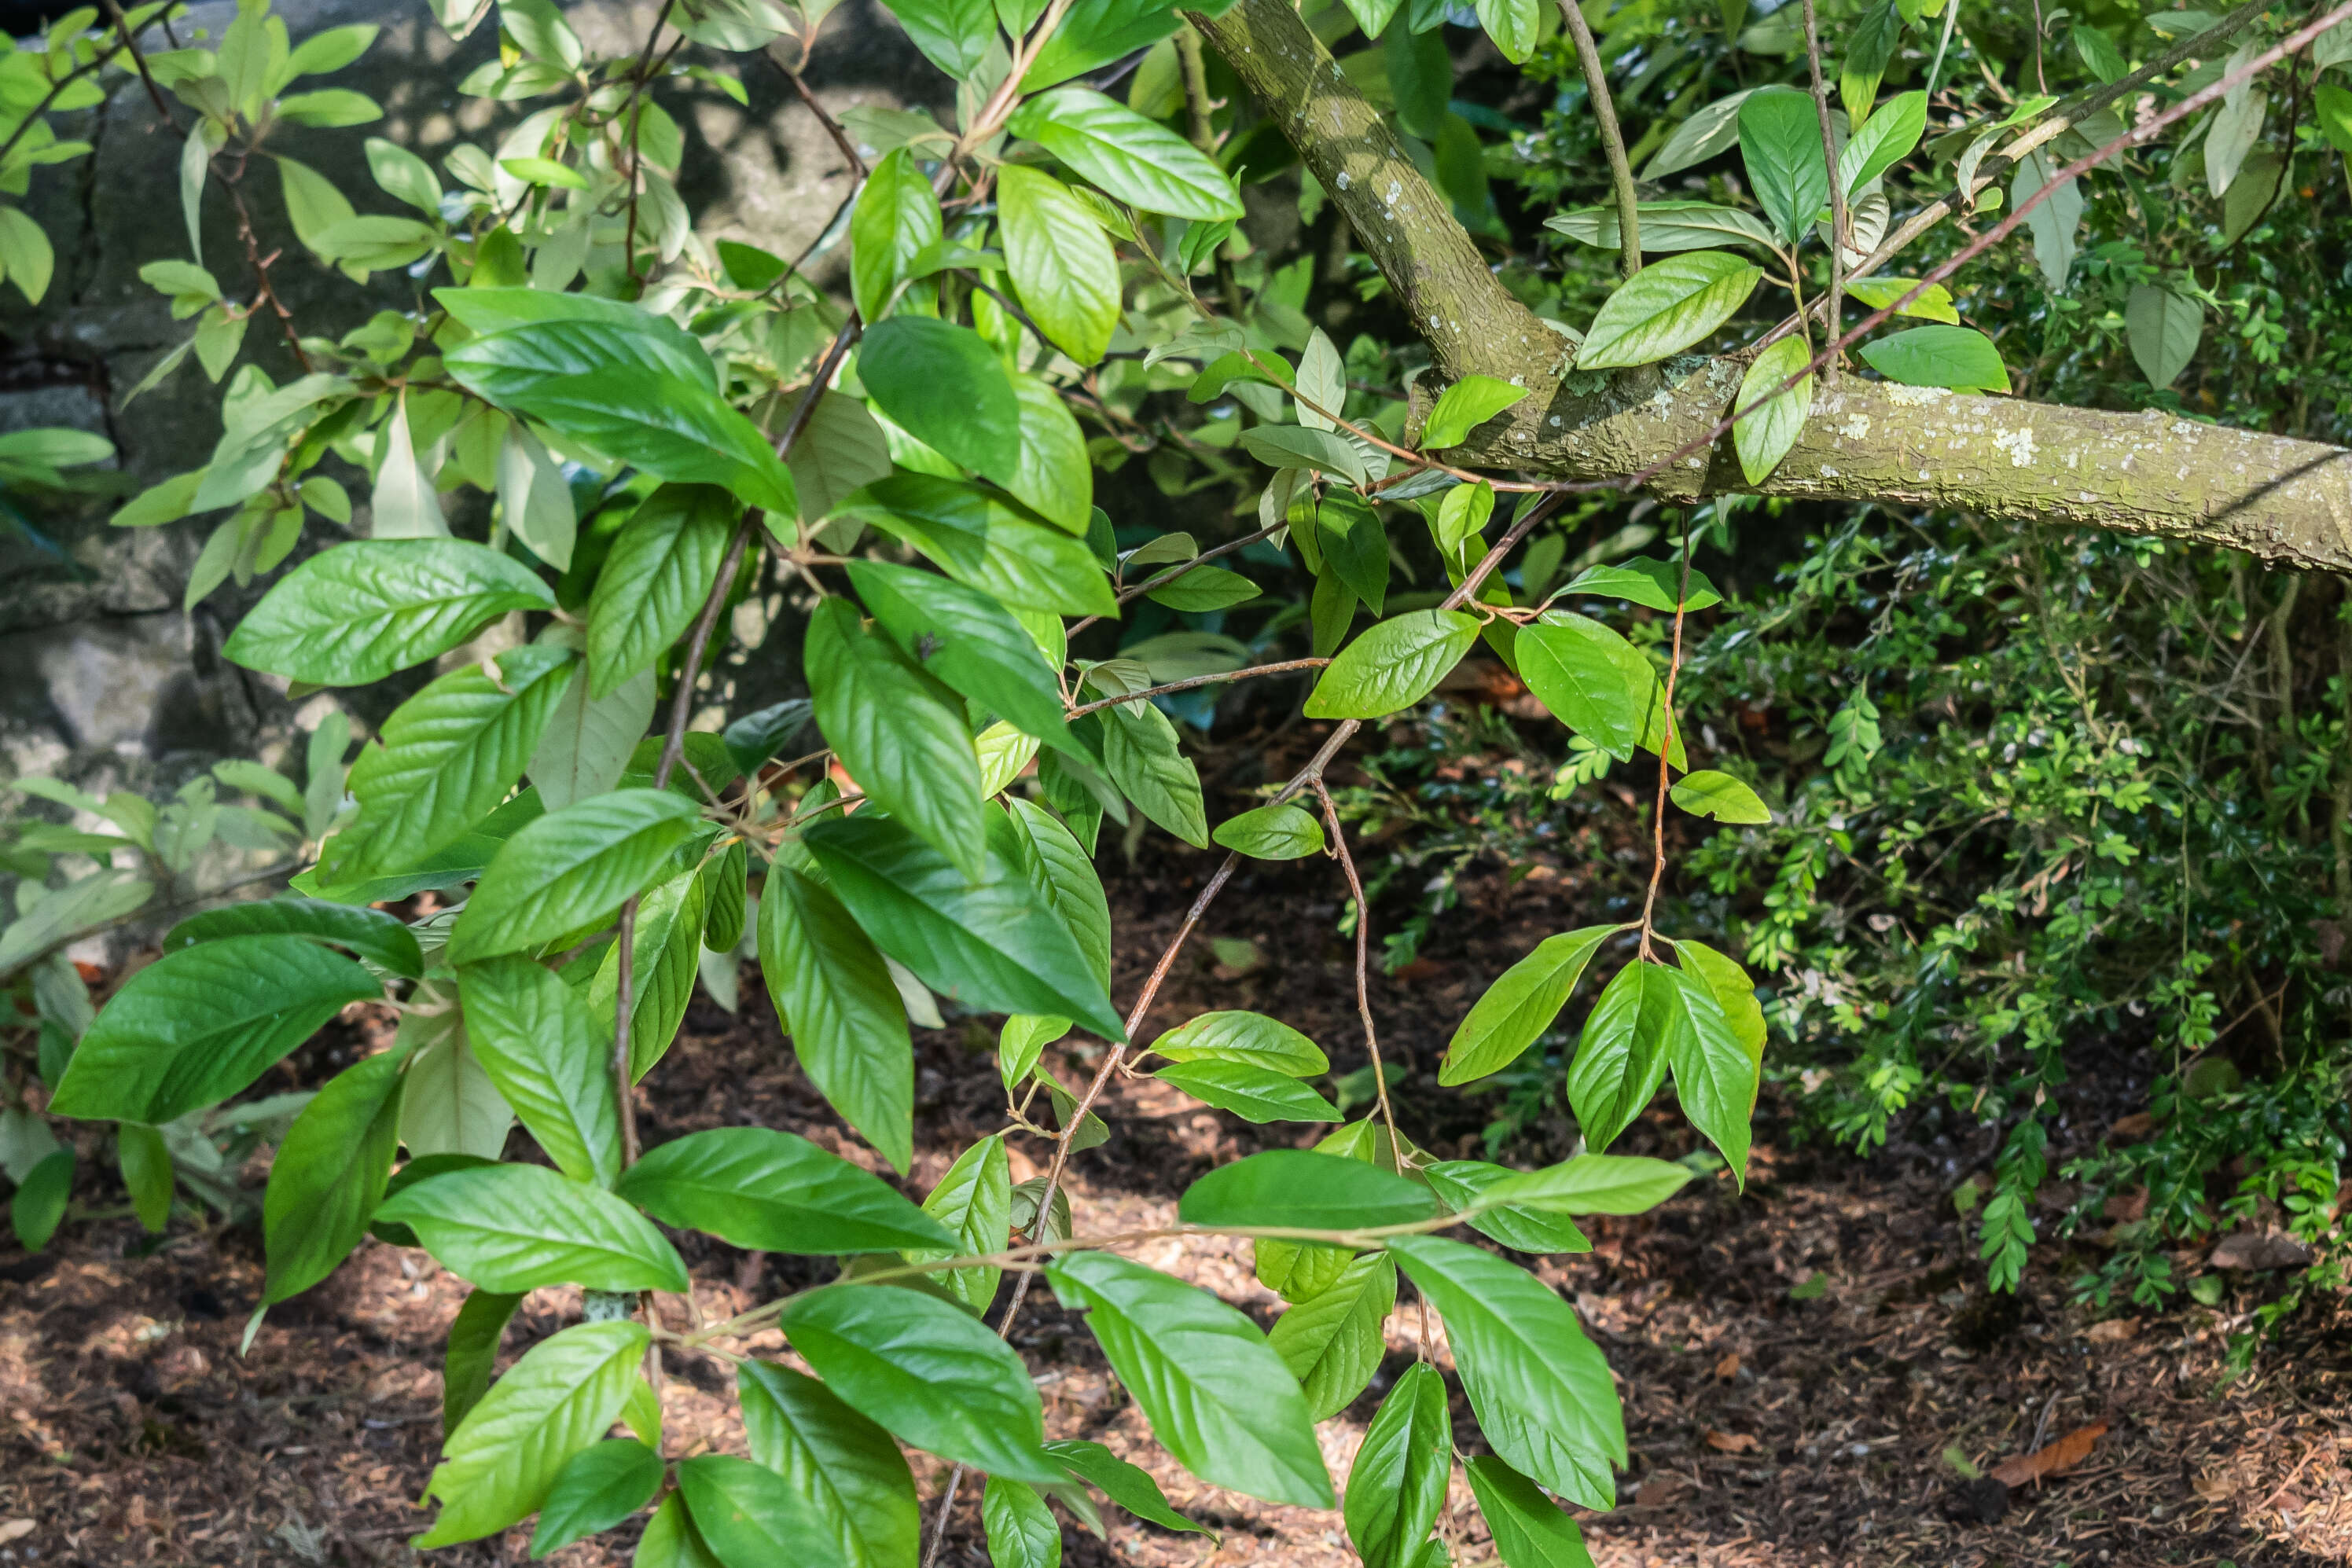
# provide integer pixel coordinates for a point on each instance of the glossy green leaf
(1531, 1531)
(969, 640)
(501, 1462)
(928, 1371)
(1768, 419)
(1065, 874)
(1062, 263)
(538, 1041)
(328, 1174)
(1667, 226)
(901, 739)
(1465, 405)
(1591, 1184)
(945, 386)
(1780, 143)
(1462, 1185)
(1883, 141)
(954, 35)
(994, 945)
(1141, 753)
(380, 939)
(597, 1487)
(1299, 1271)
(1934, 303)
(1667, 307)
(670, 1540)
(655, 580)
(592, 382)
(834, 997)
(1126, 1485)
(145, 1162)
(1299, 1188)
(1541, 1390)
(1621, 1058)
(193, 1029)
(445, 760)
(1711, 131)
(848, 1474)
(1217, 1396)
(896, 219)
(1300, 447)
(665, 959)
(1714, 1075)
(1252, 1092)
(473, 1350)
(1020, 1527)
(1397, 1484)
(974, 1202)
(1571, 664)
(1709, 793)
(1205, 588)
(1132, 159)
(516, 1227)
(38, 1205)
(1958, 357)
(987, 541)
(1521, 1003)
(1393, 666)
(1243, 1037)
(1733, 990)
(1655, 583)
(746, 1514)
(775, 1192)
(570, 869)
(1332, 1343)
(1099, 31)
(1276, 832)
(2165, 327)
(351, 616)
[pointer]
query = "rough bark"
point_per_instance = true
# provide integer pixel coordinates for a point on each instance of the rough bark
(2284, 501)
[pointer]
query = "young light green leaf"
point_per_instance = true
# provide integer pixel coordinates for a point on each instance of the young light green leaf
(1542, 1391)
(1301, 1188)
(1205, 587)
(1591, 1184)
(846, 1470)
(535, 1038)
(834, 997)
(655, 580)
(1531, 1531)
(501, 1462)
(1462, 1183)
(900, 739)
(1667, 307)
(1132, 159)
(954, 35)
(1768, 419)
(1712, 129)
(1297, 446)
(1882, 141)
(1020, 1527)
(665, 959)
(351, 616)
(1710, 793)
(1217, 1396)
(1934, 304)
(327, 1175)
(1958, 357)
(1332, 1344)
(597, 1487)
(1278, 833)
(1655, 583)
(1126, 1485)
(1398, 1483)
(1062, 263)
(1714, 1075)
(1621, 1058)
(1465, 405)
(1393, 666)
(1243, 1037)
(974, 1202)
(1052, 472)
(570, 869)
(776, 1192)
(1571, 665)
(516, 1227)
(1733, 990)
(1252, 1092)
(896, 220)
(1520, 1005)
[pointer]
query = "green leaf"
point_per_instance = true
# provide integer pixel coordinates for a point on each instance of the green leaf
(1667, 226)
(969, 640)
(1461, 1185)
(1133, 159)
(445, 760)
(1253, 1093)
(1542, 1391)
(1205, 589)
(1217, 1396)
(1571, 665)
(993, 945)
(328, 1175)
(902, 741)
(775, 1192)
(499, 1464)
(1667, 307)
(2165, 327)
(1332, 1344)
(1465, 405)
(1530, 1529)
(1130, 1486)
(516, 1227)
(1591, 1184)
(670, 1540)
(1958, 357)
(1514, 25)
(351, 616)
(1066, 874)
(1520, 1005)
(1096, 33)
(896, 220)
(1061, 263)
(193, 1028)
(1355, 546)
(1780, 143)
(848, 1474)
(1301, 1189)
(746, 1514)
(1299, 1271)
(1397, 1484)
(944, 386)
(841, 449)
(954, 35)
(145, 1162)
(1715, 1076)
(834, 997)
(1712, 129)
(594, 383)
(1393, 666)
(1934, 304)
(988, 541)
(474, 1336)
(666, 958)
(1276, 832)
(38, 1205)
(1733, 991)
(1640, 676)
(373, 934)
(1770, 420)
(1021, 1042)
(1051, 473)
(536, 1039)
(1621, 1058)
(569, 870)
(1243, 1037)
(1881, 142)
(974, 1202)
(588, 741)
(1708, 793)
(1141, 756)
(1020, 1528)
(597, 1487)
(655, 580)
(926, 1370)
(1297, 446)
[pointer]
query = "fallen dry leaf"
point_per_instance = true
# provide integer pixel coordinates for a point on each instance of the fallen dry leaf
(1661, 1491)
(1730, 1442)
(2258, 1250)
(2215, 1486)
(2050, 1459)
(2115, 1330)
(1728, 1367)
(15, 1529)
(2139, 1124)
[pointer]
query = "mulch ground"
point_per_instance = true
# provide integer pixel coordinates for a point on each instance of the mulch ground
(1765, 1428)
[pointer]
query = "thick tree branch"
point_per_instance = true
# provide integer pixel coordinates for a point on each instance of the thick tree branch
(2286, 501)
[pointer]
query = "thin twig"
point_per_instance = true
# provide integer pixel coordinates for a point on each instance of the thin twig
(1836, 303)
(1363, 979)
(139, 59)
(1613, 140)
(1186, 686)
(637, 106)
(1666, 745)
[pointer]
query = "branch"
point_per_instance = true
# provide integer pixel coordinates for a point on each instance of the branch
(1186, 686)
(2156, 474)
(1836, 301)
(1613, 140)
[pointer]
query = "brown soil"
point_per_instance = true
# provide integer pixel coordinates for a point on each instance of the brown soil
(1764, 1429)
